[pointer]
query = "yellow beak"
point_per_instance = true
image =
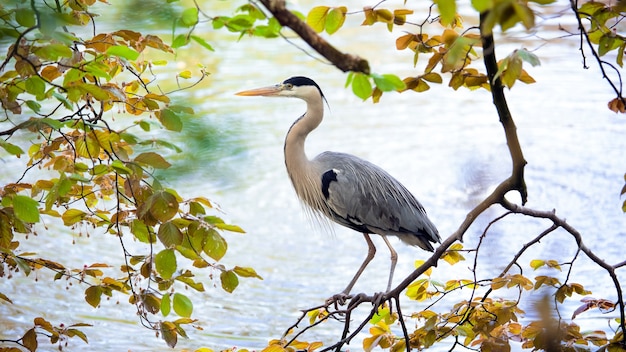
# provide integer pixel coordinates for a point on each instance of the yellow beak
(265, 91)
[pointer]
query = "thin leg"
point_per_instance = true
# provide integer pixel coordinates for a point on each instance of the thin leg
(394, 260)
(371, 251)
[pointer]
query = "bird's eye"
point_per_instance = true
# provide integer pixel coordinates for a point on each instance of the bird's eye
(289, 86)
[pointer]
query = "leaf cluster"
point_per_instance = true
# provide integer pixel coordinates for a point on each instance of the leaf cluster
(59, 90)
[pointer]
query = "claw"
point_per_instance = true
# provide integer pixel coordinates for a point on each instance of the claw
(339, 299)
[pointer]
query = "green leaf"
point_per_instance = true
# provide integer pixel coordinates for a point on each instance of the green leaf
(361, 86)
(163, 205)
(166, 305)
(141, 231)
(26, 208)
(180, 41)
(335, 19)
(123, 51)
(246, 272)
(202, 42)
(527, 56)
(316, 18)
(229, 281)
(152, 159)
(170, 235)
(388, 82)
(165, 263)
(25, 17)
(182, 305)
(72, 75)
(189, 17)
(11, 148)
(482, 5)
(606, 44)
(52, 52)
(229, 227)
(170, 120)
(36, 86)
(94, 90)
(33, 105)
(620, 54)
(215, 246)
(119, 167)
(447, 9)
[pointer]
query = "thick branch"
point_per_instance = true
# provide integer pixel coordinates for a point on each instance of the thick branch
(344, 62)
(499, 100)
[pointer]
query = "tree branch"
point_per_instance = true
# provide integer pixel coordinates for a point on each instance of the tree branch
(499, 100)
(344, 62)
(551, 215)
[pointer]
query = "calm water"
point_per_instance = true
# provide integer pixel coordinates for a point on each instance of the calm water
(447, 147)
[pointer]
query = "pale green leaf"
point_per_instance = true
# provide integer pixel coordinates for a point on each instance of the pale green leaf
(182, 305)
(26, 208)
(202, 42)
(11, 148)
(482, 5)
(165, 263)
(529, 57)
(123, 52)
(335, 19)
(361, 86)
(215, 245)
(447, 9)
(166, 305)
(189, 17)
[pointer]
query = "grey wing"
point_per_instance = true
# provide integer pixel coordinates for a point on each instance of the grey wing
(364, 197)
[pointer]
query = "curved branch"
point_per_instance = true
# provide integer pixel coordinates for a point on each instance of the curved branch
(551, 215)
(344, 62)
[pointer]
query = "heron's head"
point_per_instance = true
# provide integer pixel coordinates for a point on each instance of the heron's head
(297, 87)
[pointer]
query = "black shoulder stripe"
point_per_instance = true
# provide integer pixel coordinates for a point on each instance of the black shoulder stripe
(328, 177)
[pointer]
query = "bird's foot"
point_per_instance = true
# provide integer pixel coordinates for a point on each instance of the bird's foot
(378, 299)
(339, 299)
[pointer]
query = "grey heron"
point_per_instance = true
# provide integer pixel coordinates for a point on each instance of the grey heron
(346, 189)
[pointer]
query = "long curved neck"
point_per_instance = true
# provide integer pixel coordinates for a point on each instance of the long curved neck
(295, 157)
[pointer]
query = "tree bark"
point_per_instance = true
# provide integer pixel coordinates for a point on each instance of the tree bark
(344, 62)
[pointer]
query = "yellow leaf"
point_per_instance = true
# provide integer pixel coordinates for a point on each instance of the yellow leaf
(537, 263)
(185, 74)
(404, 41)
(316, 18)
(72, 216)
(525, 77)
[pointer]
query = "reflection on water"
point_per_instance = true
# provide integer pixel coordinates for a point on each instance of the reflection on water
(445, 146)
(212, 150)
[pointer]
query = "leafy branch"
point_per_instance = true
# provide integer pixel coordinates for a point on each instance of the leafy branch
(472, 315)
